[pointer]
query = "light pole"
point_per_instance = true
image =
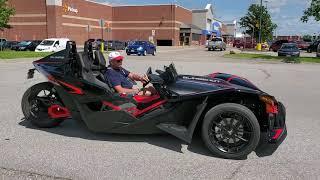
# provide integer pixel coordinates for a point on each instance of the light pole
(260, 29)
(266, 4)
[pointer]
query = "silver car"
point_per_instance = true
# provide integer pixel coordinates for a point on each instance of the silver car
(217, 43)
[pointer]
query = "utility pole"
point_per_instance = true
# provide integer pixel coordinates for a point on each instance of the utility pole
(260, 29)
(266, 4)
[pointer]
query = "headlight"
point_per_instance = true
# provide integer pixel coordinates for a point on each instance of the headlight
(140, 49)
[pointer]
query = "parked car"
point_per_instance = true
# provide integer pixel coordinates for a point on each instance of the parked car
(9, 44)
(303, 45)
(95, 43)
(52, 45)
(318, 51)
(289, 50)
(313, 47)
(2, 42)
(244, 44)
(115, 45)
(277, 45)
(141, 48)
(217, 43)
(26, 45)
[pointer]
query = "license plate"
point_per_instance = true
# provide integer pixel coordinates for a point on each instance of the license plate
(288, 55)
(132, 50)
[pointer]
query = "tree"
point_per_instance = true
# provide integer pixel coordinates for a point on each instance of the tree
(312, 11)
(251, 22)
(5, 13)
(307, 38)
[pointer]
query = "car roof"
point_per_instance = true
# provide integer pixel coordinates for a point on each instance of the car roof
(54, 39)
(289, 44)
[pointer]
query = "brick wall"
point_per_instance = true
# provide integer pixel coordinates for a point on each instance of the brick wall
(127, 22)
(29, 21)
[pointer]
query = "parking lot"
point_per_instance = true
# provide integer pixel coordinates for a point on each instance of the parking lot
(72, 152)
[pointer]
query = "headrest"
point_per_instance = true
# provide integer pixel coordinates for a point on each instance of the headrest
(99, 59)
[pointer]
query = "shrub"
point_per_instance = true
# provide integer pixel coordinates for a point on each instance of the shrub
(292, 60)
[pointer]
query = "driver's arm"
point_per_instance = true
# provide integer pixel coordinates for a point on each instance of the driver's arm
(121, 90)
(137, 77)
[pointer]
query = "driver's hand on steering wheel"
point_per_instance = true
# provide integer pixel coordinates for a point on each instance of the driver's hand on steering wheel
(144, 78)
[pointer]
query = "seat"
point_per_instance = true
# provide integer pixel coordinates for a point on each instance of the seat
(99, 67)
(85, 61)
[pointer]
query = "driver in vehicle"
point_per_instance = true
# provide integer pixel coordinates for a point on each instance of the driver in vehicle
(122, 79)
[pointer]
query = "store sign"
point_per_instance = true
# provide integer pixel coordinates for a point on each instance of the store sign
(216, 26)
(70, 8)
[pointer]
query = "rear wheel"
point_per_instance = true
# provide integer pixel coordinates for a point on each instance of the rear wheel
(230, 131)
(154, 52)
(35, 103)
(144, 52)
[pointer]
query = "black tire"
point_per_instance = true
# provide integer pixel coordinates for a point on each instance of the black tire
(154, 52)
(128, 54)
(144, 52)
(39, 119)
(209, 49)
(309, 50)
(248, 127)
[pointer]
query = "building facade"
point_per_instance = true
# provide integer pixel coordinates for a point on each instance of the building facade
(205, 20)
(80, 20)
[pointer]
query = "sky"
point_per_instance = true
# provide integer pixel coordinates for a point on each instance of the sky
(285, 13)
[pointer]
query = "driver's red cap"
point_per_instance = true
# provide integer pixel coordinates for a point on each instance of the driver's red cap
(115, 56)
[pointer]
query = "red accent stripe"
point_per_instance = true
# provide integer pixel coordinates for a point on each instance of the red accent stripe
(133, 110)
(278, 132)
(74, 89)
(213, 75)
(271, 108)
(114, 107)
(232, 77)
(153, 106)
(145, 99)
(55, 111)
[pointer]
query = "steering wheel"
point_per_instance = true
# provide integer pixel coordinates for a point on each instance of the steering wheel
(149, 71)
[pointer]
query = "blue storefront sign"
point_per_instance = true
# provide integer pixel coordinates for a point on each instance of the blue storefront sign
(215, 30)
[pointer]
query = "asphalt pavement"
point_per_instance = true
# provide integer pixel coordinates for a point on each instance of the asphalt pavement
(71, 151)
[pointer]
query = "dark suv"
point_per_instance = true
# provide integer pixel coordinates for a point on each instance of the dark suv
(277, 45)
(114, 45)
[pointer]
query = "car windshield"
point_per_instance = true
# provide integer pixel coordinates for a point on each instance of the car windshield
(289, 46)
(138, 43)
(25, 43)
(216, 39)
(46, 43)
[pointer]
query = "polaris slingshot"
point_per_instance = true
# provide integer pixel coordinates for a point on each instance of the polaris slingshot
(233, 115)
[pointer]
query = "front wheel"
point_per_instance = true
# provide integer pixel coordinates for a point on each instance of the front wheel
(144, 52)
(35, 103)
(230, 131)
(154, 52)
